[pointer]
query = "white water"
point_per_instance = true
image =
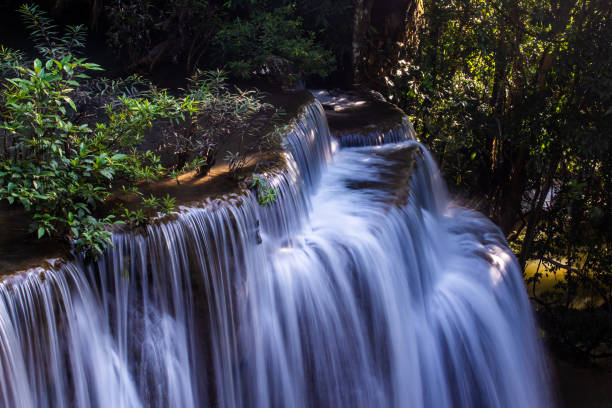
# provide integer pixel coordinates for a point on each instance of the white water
(361, 287)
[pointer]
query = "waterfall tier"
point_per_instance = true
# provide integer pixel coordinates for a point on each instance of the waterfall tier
(363, 286)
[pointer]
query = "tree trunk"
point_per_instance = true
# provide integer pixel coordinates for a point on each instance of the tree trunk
(383, 32)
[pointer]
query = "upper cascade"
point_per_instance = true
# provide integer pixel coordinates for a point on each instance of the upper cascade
(362, 286)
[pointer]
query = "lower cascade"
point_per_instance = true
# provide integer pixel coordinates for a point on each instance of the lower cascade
(363, 286)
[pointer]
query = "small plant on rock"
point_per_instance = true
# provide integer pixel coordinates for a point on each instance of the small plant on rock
(266, 194)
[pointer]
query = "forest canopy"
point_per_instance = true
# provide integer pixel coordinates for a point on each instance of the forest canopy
(515, 100)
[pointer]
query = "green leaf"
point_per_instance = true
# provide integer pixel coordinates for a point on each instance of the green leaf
(108, 173)
(41, 232)
(25, 202)
(70, 102)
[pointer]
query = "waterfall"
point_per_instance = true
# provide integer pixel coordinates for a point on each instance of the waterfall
(363, 286)
(395, 134)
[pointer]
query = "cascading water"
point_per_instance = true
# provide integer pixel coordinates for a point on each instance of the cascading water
(359, 288)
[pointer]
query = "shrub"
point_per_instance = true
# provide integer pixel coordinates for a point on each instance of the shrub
(221, 113)
(266, 194)
(55, 164)
(59, 170)
(271, 42)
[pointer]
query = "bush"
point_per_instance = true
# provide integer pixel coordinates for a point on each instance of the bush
(271, 42)
(61, 171)
(265, 39)
(221, 113)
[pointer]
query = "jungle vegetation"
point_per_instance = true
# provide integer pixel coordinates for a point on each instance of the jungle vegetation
(515, 100)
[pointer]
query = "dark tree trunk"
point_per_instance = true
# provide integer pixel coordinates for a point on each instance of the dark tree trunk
(383, 33)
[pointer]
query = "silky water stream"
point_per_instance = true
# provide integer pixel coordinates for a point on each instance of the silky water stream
(363, 286)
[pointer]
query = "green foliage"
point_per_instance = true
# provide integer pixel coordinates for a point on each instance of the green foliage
(149, 31)
(48, 41)
(130, 28)
(244, 37)
(331, 22)
(266, 194)
(220, 112)
(165, 205)
(136, 218)
(61, 171)
(54, 164)
(54, 168)
(68, 142)
(8, 59)
(514, 100)
(132, 86)
(271, 42)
